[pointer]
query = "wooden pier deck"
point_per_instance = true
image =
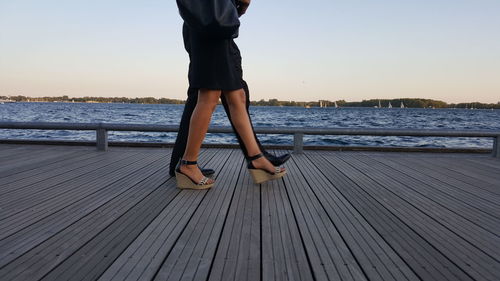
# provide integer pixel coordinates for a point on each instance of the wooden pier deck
(73, 213)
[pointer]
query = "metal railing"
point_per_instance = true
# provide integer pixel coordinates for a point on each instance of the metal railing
(297, 132)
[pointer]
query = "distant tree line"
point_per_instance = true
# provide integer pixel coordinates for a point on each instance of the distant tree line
(407, 102)
(145, 100)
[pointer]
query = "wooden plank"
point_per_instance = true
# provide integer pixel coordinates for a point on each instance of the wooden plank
(45, 227)
(491, 162)
(442, 182)
(49, 208)
(281, 238)
(439, 221)
(335, 216)
(89, 262)
(8, 153)
(492, 177)
(153, 243)
(475, 185)
(8, 148)
(92, 216)
(377, 259)
(283, 251)
(424, 260)
(53, 157)
(439, 237)
(143, 258)
(38, 179)
(25, 201)
(475, 170)
(24, 156)
(452, 197)
(71, 241)
(25, 168)
(38, 171)
(39, 184)
(462, 240)
(330, 258)
(238, 252)
(192, 255)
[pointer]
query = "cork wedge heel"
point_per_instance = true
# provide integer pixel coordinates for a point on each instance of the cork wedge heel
(261, 175)
(185, 182)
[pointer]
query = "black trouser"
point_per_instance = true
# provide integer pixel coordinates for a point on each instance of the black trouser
(182, 135)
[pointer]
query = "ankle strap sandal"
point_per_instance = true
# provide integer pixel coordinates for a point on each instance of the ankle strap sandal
(277, 169)
(185, 182)
(186, 162)
(262, 175)
(255, 157)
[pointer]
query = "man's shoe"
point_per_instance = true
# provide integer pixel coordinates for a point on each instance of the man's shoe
(207, 172)
(277, 160)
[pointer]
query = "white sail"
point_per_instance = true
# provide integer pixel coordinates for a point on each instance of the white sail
(402, 105)
(390, 105)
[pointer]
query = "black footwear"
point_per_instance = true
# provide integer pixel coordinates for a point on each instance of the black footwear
(262, 175)
(204, 171)
(277, 160)
(207, 172)
(185, 182)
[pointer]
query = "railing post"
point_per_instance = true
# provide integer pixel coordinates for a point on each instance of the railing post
(496, 147)
(298, 142)
(101, 138)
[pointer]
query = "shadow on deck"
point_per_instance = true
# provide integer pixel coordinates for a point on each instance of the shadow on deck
(72, 213)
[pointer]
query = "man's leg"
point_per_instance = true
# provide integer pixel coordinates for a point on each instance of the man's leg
(182, 135)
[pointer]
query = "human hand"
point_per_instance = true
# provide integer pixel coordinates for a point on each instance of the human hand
(242, 6)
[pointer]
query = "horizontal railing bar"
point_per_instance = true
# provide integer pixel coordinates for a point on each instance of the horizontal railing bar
(235, 145)
(258, 130)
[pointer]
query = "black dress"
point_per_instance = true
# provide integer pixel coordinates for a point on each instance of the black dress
(215, 64)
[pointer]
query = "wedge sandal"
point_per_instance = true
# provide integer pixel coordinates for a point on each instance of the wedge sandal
(262, 175)
(185, 182)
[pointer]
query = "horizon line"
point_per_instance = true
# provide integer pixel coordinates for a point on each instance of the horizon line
(269, 99)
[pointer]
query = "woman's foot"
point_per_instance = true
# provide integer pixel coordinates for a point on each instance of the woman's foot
(188, 176)
(262, 170)
(264, 164)
(194, 173)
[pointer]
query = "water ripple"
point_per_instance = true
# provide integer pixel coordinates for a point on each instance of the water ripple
(261, 116)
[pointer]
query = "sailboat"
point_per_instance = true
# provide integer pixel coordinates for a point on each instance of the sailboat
(335, 104)
(402, 105)
(390, 105)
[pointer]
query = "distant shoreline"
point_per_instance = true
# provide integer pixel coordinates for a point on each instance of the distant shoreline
(377, 103)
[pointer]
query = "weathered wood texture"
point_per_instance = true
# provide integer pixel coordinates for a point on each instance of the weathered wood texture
(73, 213)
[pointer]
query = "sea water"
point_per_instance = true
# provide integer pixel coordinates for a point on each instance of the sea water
(262, 116)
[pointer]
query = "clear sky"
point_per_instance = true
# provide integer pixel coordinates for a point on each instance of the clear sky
(292, 49)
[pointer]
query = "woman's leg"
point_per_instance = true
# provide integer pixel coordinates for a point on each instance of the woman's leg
(237, 106)
(198, 126)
